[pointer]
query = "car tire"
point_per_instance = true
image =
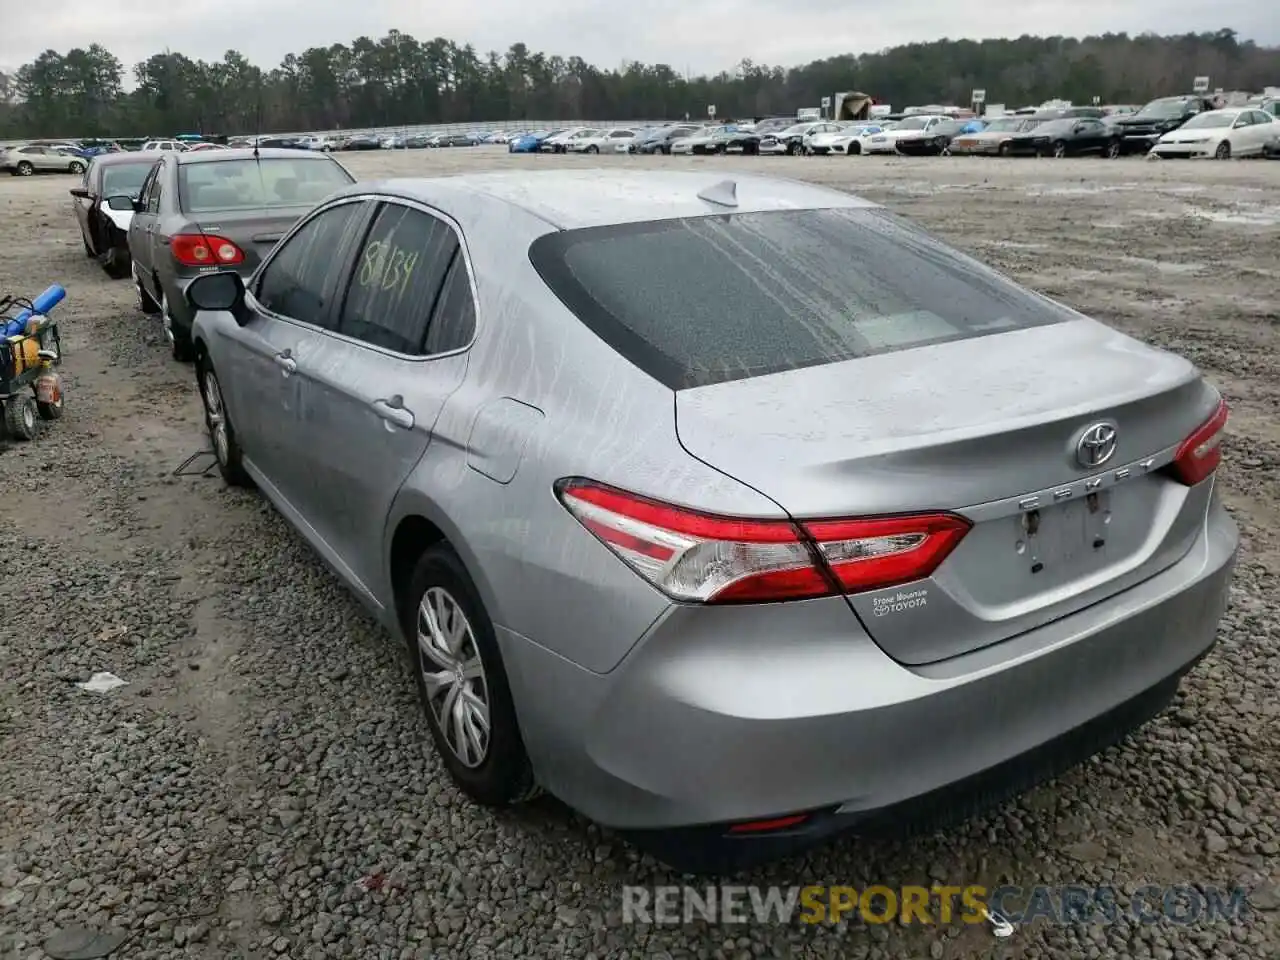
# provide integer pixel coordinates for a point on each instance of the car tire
(222, 435)
(145, 303)
(592, 149)
(180, 344)
(76, 167)
(1003, 150)
(855, 149)
(1112, 150)
(20, 417)
(1059, 150)
(495, 771)
(1223, 152)
(24, 169)
(115, 263)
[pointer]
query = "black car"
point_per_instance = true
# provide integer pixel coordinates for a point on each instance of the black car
(1067, 138)
(936, 143)
(1139, 131)
(104, 231)
(361, 141)
(660, 140)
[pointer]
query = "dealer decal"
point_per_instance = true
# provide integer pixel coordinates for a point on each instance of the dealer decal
(899, 602)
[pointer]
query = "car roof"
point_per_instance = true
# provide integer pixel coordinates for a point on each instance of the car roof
(571, 199)
(248, 153)
(116, 159)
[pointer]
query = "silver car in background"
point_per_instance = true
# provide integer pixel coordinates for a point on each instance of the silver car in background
(202, 210)
(736, 515)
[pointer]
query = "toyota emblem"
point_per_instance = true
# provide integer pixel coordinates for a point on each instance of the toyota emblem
(1097, 445)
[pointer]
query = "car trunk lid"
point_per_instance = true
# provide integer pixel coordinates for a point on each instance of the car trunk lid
(255, 232)
(988, 428)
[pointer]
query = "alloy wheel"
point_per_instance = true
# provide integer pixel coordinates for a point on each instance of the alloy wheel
(453, 675)
(215, 416)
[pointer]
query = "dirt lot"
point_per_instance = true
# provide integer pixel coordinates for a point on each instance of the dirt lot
(267, 753)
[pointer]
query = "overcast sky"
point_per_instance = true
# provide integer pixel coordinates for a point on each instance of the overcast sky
(698, 35)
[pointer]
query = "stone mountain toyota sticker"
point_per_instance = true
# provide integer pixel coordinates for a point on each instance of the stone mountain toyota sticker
(899, 602)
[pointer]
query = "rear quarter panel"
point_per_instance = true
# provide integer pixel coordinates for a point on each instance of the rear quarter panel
(540, 574)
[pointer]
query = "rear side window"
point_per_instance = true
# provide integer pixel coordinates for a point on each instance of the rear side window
(397, 278)
(454, 322)
(704, 300)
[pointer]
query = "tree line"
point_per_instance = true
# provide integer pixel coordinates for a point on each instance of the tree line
(400, 81)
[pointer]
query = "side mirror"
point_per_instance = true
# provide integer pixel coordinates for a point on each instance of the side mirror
(219, 292)
(80, 193)
(125, 204)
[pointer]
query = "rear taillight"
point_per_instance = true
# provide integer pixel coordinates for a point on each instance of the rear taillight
(700, 558)
(1201, 452)
(205, 250)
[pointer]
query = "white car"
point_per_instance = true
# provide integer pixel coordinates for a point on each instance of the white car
(1222, 134)
(175, 146)
(325, 144)
(918, 127)
(704, 141)
(912, 128)
(791, 140)
(851, 140)
(613, 140)
(563, 142)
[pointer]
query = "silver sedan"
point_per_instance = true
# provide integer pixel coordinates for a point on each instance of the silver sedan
(735, 514)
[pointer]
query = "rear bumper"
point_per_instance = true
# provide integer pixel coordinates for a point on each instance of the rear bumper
(736, 714)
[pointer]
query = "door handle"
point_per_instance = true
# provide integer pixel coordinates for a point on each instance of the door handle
(286, 362)
(393, 411)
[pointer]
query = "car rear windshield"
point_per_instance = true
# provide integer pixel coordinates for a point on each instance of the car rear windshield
(704, 300)
(125, 179)
(248, 184)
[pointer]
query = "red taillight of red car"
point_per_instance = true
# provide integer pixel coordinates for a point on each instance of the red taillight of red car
(1201, 452)
(205, 250)
(701, 558)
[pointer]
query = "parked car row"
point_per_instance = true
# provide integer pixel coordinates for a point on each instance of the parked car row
(1166, 128)
(165, 218)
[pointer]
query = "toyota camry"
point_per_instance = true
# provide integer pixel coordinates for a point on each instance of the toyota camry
(737, 514)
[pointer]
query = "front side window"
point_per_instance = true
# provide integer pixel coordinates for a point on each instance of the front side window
(227, 185)
(745, 295)
(295, 283)
(396, 279)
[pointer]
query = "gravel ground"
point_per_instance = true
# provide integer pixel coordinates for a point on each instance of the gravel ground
(267, 753)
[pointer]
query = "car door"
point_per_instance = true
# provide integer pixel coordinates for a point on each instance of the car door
(1089, 136)
(143, 224)
(373, 390)
(291, 300)
(1258, 131)
(81, 206)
